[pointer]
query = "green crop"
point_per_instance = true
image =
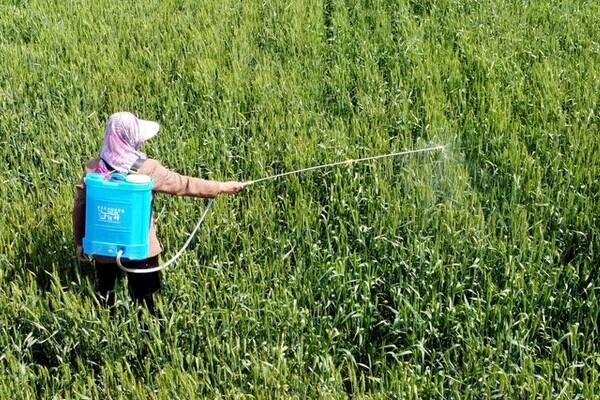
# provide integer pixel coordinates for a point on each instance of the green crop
(468, 274)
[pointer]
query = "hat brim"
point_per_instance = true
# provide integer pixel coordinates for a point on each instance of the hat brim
(148, 129)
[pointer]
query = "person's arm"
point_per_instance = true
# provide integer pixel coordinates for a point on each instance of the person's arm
(78, 218)
(167, 181)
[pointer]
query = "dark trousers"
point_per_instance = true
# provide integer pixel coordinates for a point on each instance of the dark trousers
(141, 286)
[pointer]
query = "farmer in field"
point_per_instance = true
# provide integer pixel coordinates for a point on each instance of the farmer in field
(124, 136)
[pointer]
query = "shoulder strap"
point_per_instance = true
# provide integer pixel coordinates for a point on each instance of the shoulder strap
(137, 165)
(133, 170)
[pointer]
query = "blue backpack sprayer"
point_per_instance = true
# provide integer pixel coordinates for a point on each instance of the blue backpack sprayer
(117, 215)
(119, 208)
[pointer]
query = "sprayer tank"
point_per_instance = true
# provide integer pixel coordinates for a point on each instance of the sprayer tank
(117, 215)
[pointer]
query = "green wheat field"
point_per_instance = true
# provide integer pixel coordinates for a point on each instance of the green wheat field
(468, 273)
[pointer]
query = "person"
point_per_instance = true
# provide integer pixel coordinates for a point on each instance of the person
(124, 136)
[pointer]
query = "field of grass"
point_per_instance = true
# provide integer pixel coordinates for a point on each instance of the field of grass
(467, 274)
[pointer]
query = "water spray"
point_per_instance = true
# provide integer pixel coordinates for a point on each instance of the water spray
(269, 178)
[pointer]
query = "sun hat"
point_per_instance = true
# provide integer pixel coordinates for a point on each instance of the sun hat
(148, 129)
(124, 135)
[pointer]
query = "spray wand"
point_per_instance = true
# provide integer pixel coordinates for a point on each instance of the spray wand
(346, 162)
(268, 178)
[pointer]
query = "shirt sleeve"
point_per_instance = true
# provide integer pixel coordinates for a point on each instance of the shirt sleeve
(167, 181)
(79, 213)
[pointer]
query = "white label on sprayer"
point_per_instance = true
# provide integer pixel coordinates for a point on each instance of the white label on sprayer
(112, 215)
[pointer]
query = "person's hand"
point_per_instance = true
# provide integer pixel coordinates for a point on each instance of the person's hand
(82, 257)
(232, 187)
